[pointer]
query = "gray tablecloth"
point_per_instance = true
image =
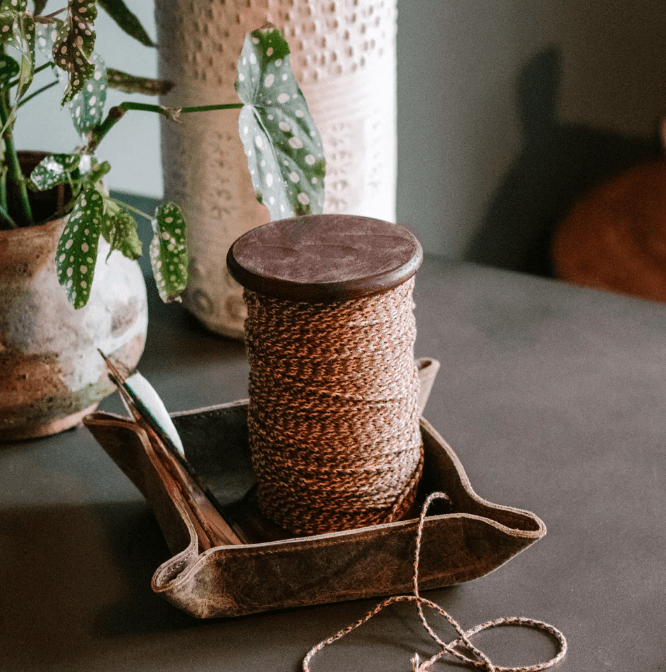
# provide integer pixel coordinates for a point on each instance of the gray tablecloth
(553, 398)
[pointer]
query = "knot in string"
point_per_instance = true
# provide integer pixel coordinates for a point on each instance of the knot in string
(333, 417)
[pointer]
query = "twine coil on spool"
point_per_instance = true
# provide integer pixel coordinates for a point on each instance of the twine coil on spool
(333, 415)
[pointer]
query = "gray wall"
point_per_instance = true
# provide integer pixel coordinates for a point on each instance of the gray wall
(506, 110)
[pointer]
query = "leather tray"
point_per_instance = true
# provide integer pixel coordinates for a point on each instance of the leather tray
(463, 539)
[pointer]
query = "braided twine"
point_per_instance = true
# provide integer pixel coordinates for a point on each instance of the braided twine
(333, 416)
(476, 657)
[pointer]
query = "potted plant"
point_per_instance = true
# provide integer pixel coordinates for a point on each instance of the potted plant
(69, 282)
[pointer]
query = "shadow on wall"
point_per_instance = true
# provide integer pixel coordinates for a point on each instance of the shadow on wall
(556, 165)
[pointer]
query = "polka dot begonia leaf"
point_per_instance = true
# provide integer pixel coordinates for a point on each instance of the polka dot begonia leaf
(17, 30)
(8, 18)
(87, 106)
(46, 35)
(119, 12)
(96, 170)
(55, 169)
(117, 79)
(284, 151)
(26, 46)
(13, 5)
(10, 12)
(76, 253)
(120, 231)
(168, 252)
(9, 68)
(74, 44)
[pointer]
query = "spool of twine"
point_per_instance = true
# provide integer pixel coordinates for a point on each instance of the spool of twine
(333, 417)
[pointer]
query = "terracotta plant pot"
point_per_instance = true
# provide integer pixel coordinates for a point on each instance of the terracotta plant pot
(51, 373)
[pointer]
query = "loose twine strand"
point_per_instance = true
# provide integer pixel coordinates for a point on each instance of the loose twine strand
(333, 417)
(477, 657)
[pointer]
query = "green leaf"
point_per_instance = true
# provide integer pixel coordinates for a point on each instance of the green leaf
(97, 171)
(87, 106)
(14, 5)
(39, 6)
(25, 43)
(283, 148)
(55, 169)
(168, 252)
(74, 45)
(17, 30)
(9, 68)
(47, 34)
(120, 231)
(10, 11)
(77, 248)
(119, 12)
(7, 20)
(133, 84)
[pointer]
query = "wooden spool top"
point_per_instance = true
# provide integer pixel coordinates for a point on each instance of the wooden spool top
(321, 258)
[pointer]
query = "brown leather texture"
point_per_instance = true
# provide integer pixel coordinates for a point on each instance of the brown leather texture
(463, 539)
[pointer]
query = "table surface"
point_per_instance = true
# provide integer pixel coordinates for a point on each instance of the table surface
(551, 395)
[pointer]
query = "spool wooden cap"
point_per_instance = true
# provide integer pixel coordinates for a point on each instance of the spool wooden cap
(324, 258)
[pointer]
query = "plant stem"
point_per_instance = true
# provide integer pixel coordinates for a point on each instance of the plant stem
(43, 66)
(45, 18)
(3, 193)
(14, 172)
(10, 221)
(175, 111)
(3, 199)
(210, 108)
(36, 93)
(117, 113)
(122, 204)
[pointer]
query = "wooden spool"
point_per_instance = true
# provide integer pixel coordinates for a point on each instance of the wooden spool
(299, 273)
(322, 258)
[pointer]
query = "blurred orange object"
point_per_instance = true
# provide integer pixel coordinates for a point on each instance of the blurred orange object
(614, 238)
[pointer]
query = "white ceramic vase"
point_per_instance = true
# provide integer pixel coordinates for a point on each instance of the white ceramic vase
(343, 56)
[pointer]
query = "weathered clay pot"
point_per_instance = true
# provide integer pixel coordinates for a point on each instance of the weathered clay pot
(51, 373)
